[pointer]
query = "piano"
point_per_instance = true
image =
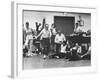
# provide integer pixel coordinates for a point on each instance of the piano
(79, 38)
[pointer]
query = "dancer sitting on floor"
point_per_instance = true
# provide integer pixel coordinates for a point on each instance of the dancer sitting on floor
(76, 52)
(64, 52)
(87, 55)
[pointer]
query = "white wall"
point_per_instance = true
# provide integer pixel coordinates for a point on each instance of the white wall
(33, 16)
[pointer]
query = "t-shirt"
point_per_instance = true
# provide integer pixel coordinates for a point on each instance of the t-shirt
(59, 38)
(53, 31)
(63, 49)
(79, 50)
(44, 34)
(29, 34)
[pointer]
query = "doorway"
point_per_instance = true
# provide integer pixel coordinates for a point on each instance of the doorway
(65, 24)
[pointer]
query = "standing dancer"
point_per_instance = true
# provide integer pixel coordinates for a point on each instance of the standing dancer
(59, 39)
(45, 40)
(29, 37)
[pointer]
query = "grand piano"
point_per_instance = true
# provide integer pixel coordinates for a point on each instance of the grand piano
(79, 38)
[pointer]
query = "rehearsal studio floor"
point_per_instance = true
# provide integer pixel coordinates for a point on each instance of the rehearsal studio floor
(37, 62)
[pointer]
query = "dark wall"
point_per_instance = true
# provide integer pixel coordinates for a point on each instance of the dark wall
(65, 24)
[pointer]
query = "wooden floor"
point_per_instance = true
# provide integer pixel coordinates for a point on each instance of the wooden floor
(37, 62)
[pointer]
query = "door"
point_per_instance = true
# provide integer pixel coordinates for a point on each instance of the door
(65, 24)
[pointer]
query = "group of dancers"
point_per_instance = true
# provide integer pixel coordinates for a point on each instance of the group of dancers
(51, 40)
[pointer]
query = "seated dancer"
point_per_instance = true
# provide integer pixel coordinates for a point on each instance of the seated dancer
(64, 52)
(68, 50)
(76, 26)
(76, 52)
(80, 25)
(45, 40)
(59, 38)
(87, 54)
(80, 22)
